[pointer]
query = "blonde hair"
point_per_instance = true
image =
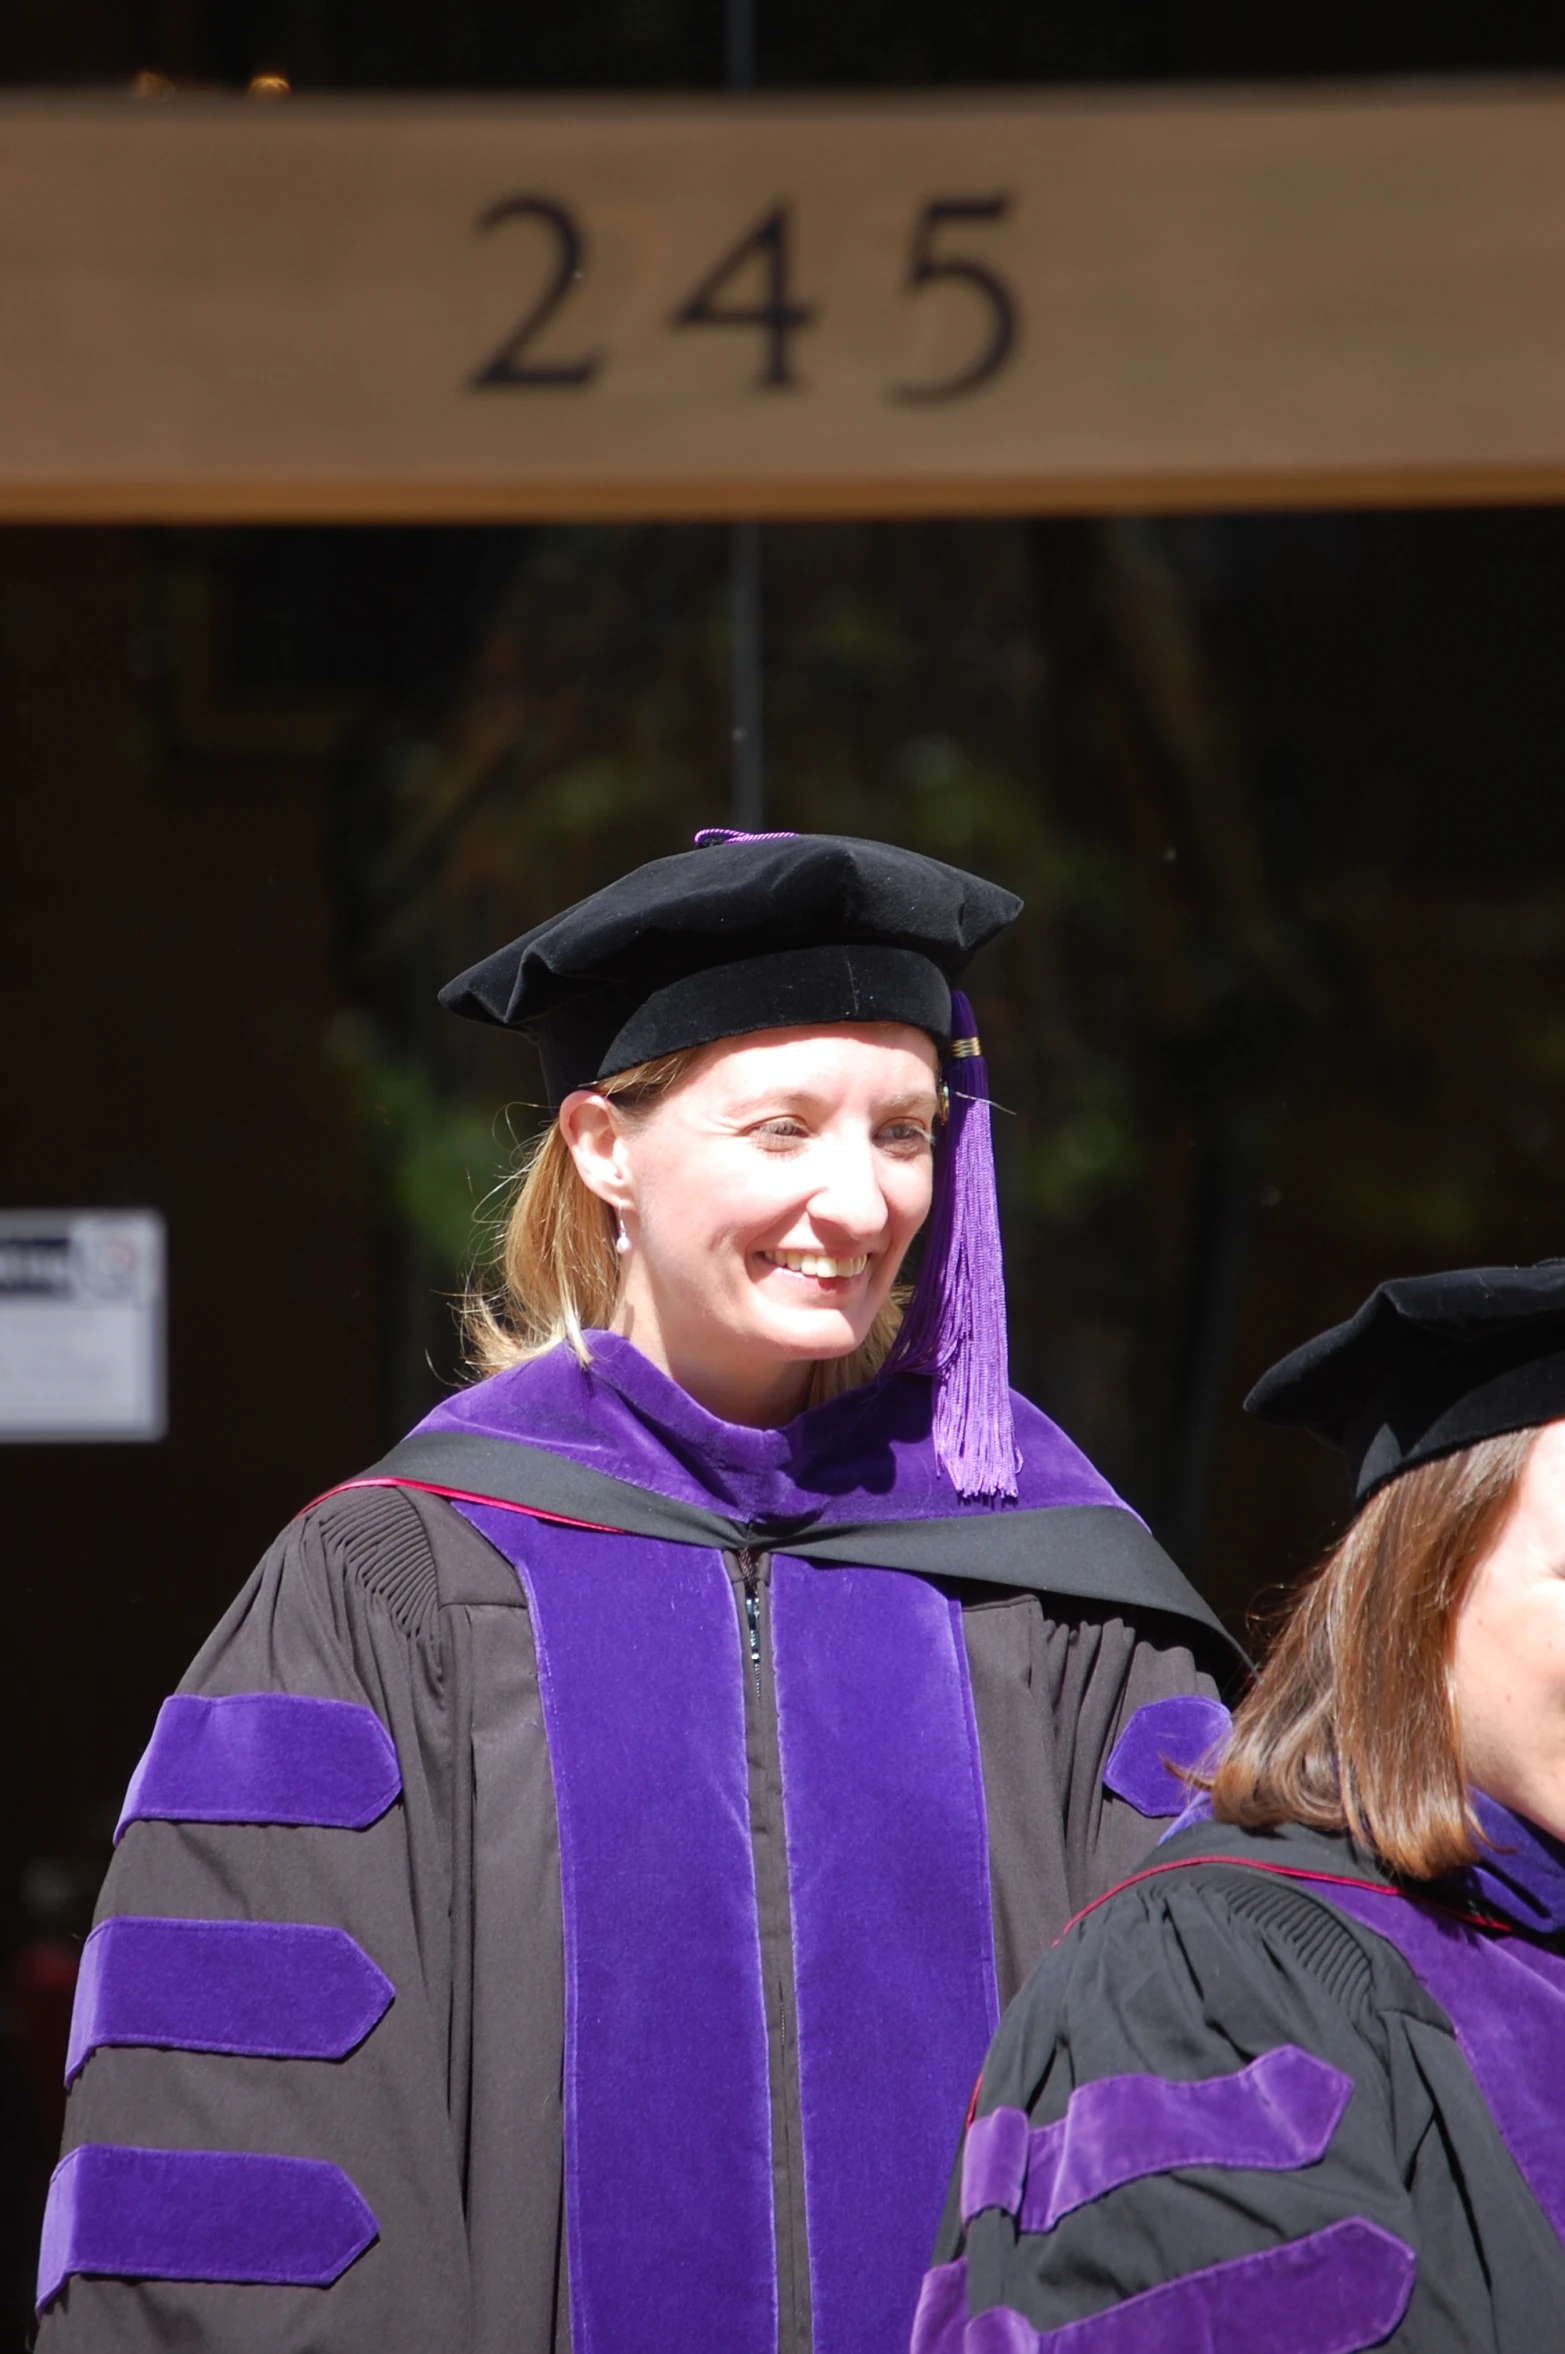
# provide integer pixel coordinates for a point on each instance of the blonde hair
(555, 1271)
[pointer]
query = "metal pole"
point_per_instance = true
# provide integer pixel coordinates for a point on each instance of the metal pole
(739, 43)
(748, 783)
(747, 775)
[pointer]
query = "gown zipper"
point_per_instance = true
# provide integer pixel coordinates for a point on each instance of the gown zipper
(795, 2332)
(750, 1573)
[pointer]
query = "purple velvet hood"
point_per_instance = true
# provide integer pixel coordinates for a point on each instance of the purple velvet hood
(617, 1445)
(867, 1455)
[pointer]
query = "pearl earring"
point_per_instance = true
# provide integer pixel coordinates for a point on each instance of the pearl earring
(622, 1239)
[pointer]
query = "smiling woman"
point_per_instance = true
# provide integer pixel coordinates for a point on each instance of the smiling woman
(726, 1674)
(764, 1199)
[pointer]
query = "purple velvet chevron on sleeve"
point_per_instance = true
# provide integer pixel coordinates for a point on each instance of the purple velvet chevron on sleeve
(941, 2313)
(264, 1757)
(283, 1990)
(229, 2215)
(1278, 2113)
(995, 2157)
(1337, 2291)
(1186, 1730)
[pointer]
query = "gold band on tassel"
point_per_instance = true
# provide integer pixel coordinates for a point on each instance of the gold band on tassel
(961, 1048)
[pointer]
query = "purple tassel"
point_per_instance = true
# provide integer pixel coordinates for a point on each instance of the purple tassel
(954, 1327)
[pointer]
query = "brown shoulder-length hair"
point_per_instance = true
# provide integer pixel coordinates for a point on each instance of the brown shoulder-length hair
(1351, 1724)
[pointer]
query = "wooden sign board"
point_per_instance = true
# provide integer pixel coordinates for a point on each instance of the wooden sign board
(449, 309)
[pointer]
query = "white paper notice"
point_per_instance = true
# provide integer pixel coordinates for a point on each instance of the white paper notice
(81, 1324)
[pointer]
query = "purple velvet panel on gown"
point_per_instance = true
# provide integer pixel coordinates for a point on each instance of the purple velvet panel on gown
(1185, 1729)
(864, 1456)
(230, 2215)
(893, 1948)
(264, 1757)
(641, 1669)
(1278, 2113)
(1336, 2291)
(1506, 2001)
(887, 1848)
(281, 1990)
(667, 2110)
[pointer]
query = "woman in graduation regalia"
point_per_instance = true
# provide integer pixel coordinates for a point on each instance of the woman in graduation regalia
(1300, 2084)
(567, 1901)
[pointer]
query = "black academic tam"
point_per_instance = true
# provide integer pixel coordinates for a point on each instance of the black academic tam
(1429, 1364)
(743, 933)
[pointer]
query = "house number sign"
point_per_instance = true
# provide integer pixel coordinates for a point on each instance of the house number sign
(395, 309)
(773, 307)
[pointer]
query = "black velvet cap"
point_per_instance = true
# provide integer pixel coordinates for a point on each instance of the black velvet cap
(745, 932)
(1429, 1364)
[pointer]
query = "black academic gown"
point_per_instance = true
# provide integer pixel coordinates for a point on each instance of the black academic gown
(1272, 2136)
(448, 2116)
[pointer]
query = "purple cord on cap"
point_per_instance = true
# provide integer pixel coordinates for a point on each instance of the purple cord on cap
(710, 836)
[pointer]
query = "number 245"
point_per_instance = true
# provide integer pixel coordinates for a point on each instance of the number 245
(778, 315)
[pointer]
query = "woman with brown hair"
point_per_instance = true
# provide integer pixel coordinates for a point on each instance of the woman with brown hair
(1298, 2085)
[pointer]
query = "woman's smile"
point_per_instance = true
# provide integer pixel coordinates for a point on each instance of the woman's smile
(819, 1266)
